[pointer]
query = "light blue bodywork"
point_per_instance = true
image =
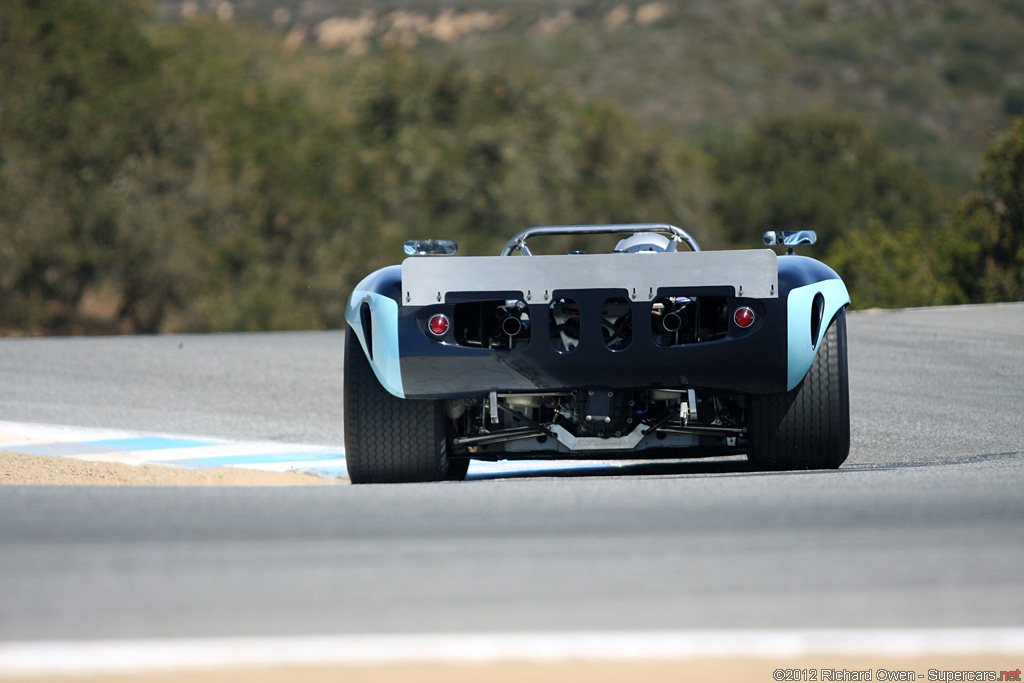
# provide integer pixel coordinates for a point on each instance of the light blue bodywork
(801, 348)
(382, 347)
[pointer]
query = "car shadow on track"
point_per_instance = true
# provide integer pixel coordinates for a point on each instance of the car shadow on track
(672, 468)
(528, 470)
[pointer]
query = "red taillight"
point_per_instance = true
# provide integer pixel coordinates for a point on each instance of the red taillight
(438, 325)
(744, 317)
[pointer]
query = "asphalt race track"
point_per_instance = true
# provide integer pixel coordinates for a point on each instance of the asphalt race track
(923, 527)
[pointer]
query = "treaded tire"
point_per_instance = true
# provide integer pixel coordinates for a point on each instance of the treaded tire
(808, 427)
(389, 439)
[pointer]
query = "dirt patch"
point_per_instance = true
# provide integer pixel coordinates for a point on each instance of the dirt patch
(42, 470)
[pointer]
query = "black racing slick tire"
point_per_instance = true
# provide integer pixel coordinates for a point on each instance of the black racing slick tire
(808, 427)
(390, 439)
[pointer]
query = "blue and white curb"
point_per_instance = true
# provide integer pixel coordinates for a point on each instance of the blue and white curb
(136, 448)
(198, 452)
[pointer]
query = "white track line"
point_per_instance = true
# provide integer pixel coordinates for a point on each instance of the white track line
(30, 433)
(48, 658)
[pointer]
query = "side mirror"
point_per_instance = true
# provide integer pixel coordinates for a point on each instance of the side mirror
(430, 248)
(789, 238)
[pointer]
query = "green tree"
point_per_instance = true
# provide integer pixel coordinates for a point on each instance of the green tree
(989, 225)
(822, 172)
(887, 269)
(198, 177)
(74, 81)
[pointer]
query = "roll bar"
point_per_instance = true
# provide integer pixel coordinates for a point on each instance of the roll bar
(519, 240)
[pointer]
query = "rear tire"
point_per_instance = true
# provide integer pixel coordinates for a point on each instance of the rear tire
(389, 439)
(808, 427)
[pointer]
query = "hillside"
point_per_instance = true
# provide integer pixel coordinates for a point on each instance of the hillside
(210, 173)
(935, 79)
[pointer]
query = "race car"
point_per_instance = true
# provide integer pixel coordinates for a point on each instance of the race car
(646, 352)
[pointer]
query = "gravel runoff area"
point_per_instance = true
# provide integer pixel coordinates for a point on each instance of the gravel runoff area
(42, 470)
(719, 670)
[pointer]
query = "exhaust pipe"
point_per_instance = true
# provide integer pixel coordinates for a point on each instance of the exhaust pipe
(671, 318)
(671, 322)
(512, 326)
(674, 320)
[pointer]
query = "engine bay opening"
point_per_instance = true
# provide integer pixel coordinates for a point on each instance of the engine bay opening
(617, 323)
(564, 322)
(678, 320)
(495, 324)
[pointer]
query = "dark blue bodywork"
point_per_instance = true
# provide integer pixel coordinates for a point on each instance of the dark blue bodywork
(771, 356)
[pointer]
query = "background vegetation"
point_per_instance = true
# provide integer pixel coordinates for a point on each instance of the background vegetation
(933, 79)
(209, 174)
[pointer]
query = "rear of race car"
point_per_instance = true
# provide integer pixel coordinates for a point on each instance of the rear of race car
(643, 354)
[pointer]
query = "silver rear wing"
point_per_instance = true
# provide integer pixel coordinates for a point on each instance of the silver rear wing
(750, 273)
